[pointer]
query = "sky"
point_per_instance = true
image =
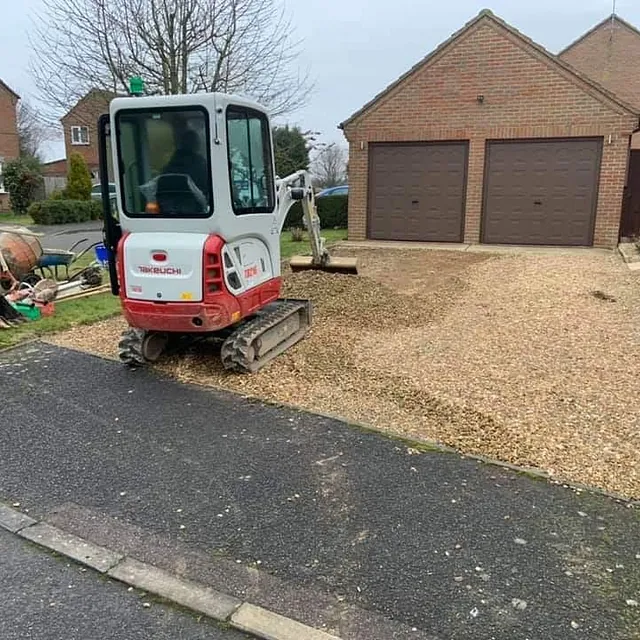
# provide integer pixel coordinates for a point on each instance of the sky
(353, 49)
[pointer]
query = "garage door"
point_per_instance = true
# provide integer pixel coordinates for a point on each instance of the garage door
(541, 192)
(416, 191)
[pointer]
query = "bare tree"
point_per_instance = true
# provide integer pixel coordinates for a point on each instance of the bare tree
(330, 166)
(33, 130)
(177, 46)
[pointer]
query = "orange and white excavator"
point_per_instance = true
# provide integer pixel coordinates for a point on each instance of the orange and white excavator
(194, 237)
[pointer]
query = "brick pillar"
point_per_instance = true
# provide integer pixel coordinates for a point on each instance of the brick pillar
(475, 175)
(613, 173)
(358, 185)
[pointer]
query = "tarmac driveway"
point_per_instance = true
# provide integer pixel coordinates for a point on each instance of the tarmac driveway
(440, 546)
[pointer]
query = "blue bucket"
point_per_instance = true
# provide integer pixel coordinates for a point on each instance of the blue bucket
(102, 255)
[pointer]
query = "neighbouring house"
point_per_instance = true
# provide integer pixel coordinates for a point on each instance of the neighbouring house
(80, 126)
(490, 139)
(9, 139)
(610, 54)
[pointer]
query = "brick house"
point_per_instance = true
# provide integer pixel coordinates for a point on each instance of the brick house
(9, 140)
(606, 53)
(491, 139)
(80, 125)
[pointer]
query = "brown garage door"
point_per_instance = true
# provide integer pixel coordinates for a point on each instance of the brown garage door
(416, 191)
(541, 192)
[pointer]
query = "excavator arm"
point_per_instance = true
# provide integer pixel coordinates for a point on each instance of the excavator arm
(297, 188)
(294, 188)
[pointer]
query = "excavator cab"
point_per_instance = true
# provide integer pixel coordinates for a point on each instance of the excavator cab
(194, 246)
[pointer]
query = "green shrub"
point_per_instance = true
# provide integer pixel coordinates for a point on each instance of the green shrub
(22, 179)
(78, 179)
(65, 211)
(57, 194)
(34, 210)
(331, 209)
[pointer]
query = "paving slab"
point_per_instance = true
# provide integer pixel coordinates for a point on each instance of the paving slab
(449, 546)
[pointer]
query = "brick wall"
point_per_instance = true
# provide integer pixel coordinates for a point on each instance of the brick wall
(86, 114)
(9, 144)
(610, 55)
(525, 96)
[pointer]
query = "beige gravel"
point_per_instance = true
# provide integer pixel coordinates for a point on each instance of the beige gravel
(531, 359)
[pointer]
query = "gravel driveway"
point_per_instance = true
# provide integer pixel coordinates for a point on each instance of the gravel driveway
(531, 359)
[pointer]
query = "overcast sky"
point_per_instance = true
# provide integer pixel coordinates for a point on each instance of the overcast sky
(355, 48)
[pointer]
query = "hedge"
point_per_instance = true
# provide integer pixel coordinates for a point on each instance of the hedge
(332, 211)
(63, 211)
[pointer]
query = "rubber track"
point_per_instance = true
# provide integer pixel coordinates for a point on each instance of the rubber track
(235, 349)
(130, 347)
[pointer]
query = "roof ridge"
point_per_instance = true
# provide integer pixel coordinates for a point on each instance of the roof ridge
(487, 14)
(91, 91)
(611, 17)
(9, 89)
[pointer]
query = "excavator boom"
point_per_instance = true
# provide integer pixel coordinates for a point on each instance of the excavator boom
(300, 189)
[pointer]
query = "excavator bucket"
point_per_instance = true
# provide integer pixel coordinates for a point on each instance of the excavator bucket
(332, 265)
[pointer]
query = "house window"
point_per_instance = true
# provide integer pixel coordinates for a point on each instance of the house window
(1, 179)
(79, 135)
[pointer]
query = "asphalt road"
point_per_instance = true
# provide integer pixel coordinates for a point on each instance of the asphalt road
(65, 236)
(459, 549)
(44, 597)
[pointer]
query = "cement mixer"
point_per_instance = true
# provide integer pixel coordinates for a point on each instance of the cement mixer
(20, 252)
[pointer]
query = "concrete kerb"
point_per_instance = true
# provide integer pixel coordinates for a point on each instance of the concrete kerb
(244, 616)
(13, 520)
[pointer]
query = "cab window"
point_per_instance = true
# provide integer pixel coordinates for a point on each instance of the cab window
(164, 162)
(250, 161)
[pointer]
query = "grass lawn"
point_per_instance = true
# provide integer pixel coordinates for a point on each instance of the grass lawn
(9, 218)
(93, 308)
(290, 248)
(67, 314)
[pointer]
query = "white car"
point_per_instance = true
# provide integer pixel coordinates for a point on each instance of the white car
(96, 191)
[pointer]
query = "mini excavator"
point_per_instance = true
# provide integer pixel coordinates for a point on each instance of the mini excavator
(193, 238)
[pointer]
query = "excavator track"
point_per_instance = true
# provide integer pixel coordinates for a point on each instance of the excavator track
(138, 347)
(130, 347)
(277, 327)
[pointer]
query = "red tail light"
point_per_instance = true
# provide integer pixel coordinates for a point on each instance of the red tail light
(159, 256)
(213, 282)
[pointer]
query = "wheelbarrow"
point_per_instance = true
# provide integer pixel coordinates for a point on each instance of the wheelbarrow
(53, 259)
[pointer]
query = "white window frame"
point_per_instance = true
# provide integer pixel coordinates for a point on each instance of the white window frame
(76, 135)
(2, 189)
